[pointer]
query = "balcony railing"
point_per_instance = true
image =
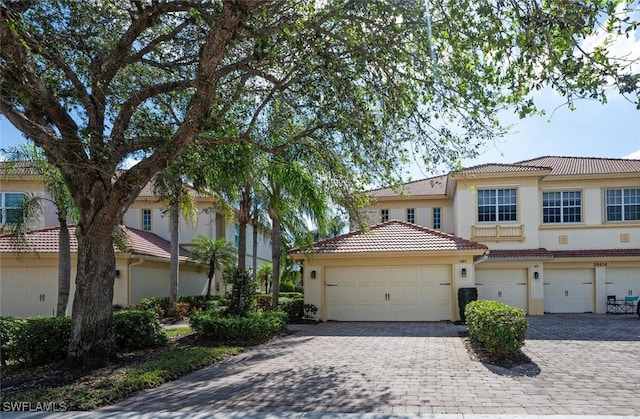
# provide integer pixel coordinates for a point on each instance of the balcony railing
(497, 233)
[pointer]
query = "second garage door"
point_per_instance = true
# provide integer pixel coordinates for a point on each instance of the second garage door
(568, 290)
(623, 282)
(509, 286)
(389, 293)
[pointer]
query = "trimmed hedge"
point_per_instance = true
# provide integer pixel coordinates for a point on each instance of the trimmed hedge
(294, 307)
(255, 327)
(500, 329)
(138, 329)
(36, 340)
(40, 340)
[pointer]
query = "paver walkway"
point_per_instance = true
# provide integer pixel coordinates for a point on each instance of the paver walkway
(589, 365)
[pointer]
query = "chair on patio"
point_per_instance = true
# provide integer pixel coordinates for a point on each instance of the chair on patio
(630, 304)
(614, 306)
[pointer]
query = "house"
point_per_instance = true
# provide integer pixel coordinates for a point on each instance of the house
(559, 235)
(28, 275)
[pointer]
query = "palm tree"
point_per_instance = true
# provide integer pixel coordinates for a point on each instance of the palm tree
(293, 198)
(216, 254)
(265, 275)
(170, 188)
(31, 155)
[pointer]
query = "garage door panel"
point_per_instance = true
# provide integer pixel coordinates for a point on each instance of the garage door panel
(622, 282)
(568, 290)
(388, 293)
(509, 286)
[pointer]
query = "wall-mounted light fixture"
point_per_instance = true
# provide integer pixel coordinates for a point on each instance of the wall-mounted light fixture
(313, 274)
(536, 275)
(117, 273)
(463, 272)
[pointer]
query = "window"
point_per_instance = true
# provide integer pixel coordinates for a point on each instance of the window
(411, 215)
(497, 205)
(11, 206)
(623, 204)
(146, 219)
(236, 236)
(562, 207)
(437, 218)
(384, 215)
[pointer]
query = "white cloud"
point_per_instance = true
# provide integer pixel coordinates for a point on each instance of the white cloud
(633, 156)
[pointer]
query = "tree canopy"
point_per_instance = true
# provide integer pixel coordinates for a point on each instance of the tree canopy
(95, 82)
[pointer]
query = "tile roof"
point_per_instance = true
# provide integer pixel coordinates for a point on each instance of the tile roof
(501, 168)
(431, 186)
(519, 254)
(18, 168)
(393, 236)
(610, 253)
(583, 165)
(140, 243)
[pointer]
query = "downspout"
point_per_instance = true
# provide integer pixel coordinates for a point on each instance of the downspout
(138, 263)
(482, 258)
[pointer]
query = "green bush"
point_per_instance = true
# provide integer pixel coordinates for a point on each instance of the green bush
(290, 295)
(36, 340)
(243, 289)
(294, 307)
(160, 305)
(254, 328)
(263, 302)
(137, 329)
(202, 303)
(500, 329)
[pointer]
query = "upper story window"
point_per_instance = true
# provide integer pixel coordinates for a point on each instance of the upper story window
(11, 206)
(562, 207)
(236, 236)
(384, 215)
(437, 218)
(497, 205)
(146, 219)
(411, 215)
(623, 204)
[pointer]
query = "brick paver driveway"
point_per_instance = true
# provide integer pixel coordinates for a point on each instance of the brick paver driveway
(589, 364)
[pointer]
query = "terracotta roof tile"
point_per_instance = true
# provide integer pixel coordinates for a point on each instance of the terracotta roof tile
(610, 253)
(432, 186)
(584, 165)
(501, 168)
(140, 243)
(393, 236)
(537, 254)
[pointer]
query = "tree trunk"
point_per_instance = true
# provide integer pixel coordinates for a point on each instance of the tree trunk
(254, 251)
(175, 237)
(64, 268)
(244, 216)
(276, 245)
(92, 336)
(210, 275)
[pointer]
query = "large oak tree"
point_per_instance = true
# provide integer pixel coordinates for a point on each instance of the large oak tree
(96, 81)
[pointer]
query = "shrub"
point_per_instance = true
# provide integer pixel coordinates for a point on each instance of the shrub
(294, 307)
(254, 328)
(9, 327)
(160, 305)
(36, 340)
(137, 329)
(201, 302)
(243, 289)
(181, 310)
(263, 301)
(500, 329)
(290, 294)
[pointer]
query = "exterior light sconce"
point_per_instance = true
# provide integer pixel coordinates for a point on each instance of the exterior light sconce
(117, 273)
(463, 272)
(313, 274)
(536, 275)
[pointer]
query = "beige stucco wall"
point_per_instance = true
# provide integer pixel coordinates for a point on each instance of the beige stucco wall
(152, 279)
(423, 211)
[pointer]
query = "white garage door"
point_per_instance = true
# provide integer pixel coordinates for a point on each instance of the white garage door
(622, 282)
(380, 293)
(28, 291)
(568, 290)
(509, 286)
